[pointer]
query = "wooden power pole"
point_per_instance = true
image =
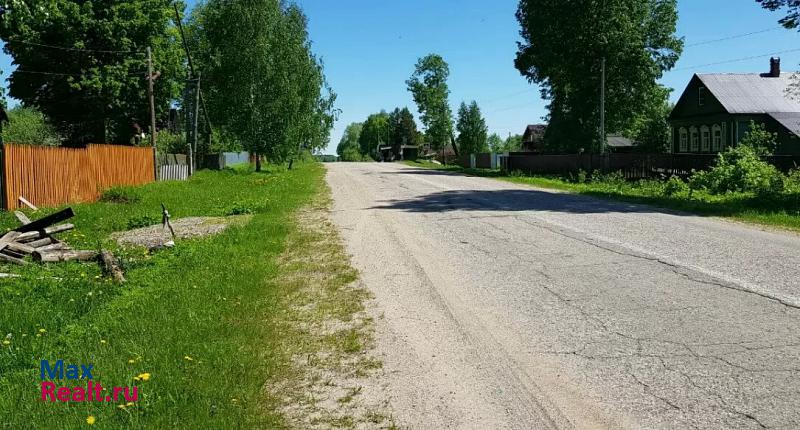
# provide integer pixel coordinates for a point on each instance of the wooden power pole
(151, 96)
(603, 106)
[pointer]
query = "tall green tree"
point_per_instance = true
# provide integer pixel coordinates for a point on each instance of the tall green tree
(495, 143)
(403, 129)
(348, 148)
(82, 63)
(792, 8)
(473, 134)
(264, 84)
(374, 134)
(564, 44)
(428, 85)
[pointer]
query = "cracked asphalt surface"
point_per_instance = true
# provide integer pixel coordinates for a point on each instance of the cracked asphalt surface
(508, 307)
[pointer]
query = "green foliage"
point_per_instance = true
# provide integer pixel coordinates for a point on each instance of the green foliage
(740, 168)
(675, 186)
(650, 129)
(403, 129)
(792, 18)
(512, 143)
(563, 46)
(263, 83)
(374, 133)
(122, 195)
(103, 92)
(428, 85)
(171, 143)
(348, 148)
(759, 139)
(472, 129)
(28, 126)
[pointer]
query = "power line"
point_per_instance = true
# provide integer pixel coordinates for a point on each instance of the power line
(737, 60)
(33, 72)
(735, 36)
(65, 48)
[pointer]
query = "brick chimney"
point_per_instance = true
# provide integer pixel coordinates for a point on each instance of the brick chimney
(775, 67)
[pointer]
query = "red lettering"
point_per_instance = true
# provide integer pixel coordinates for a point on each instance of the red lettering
(48, 389)
(63, 394)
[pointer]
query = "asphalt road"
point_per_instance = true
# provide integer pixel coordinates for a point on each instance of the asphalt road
(505, 307)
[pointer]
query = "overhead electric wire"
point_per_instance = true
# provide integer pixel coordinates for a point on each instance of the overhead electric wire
(66, 48)
(732, 37)
(736, 60)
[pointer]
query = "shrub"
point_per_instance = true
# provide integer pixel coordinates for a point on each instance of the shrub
(120, 195)
(793, 181)
(244, 207)
(740, 169)
(171, 143)
(28, 126)
(675, 186)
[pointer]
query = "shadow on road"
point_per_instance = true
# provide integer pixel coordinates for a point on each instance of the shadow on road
(512, 201)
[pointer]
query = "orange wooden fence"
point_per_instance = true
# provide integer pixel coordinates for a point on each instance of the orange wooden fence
(48, 176)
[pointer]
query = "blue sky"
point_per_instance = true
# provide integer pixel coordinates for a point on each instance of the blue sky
(370, 48)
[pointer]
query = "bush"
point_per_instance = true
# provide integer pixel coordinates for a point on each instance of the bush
(120, 195)
(28, 126)
(171, 143)
(675, 186)
(793, 181)
(740, 169)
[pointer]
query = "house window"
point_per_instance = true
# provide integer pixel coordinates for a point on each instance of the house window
(694, 141)
(716, 142)
(683, 140)
(705, 139)
(701, 96)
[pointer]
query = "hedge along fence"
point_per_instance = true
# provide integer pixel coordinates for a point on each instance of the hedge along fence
(49, 176)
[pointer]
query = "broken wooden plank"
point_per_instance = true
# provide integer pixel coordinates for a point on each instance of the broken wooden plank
(47, 221)
(41, 242)
(22, 218)
(34, 235)
(14, 254)
(57, 246)
(25, 202)
(57, 256)
(111, 266)
(8, 238)
(21, 247)
(14, 260)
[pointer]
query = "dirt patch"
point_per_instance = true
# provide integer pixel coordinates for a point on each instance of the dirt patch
(155, 236)
(335, 374)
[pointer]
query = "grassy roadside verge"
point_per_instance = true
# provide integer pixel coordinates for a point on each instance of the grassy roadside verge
(783, 212)
(206, 321)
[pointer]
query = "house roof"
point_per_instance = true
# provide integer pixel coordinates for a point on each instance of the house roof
(790, 120)
(617, 141)
(753, 93)
(535, 131)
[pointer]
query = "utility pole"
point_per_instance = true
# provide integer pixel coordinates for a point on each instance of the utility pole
(196, 120)
(603, 107)
(151, 96)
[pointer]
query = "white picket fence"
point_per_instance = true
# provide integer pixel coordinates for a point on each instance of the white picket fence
(173, 172)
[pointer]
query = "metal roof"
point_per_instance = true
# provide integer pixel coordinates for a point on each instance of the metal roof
(617, 141)
(790, 120)
(752, 92)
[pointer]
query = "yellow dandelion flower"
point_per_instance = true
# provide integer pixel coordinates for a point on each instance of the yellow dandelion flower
(121, 407)
(6, 342)
(131, 361)
(38, 335)
(143, 377)
(187, 358)
(129, 404)
(41, 330)
(234, 400)
(91, 420)
(103, 341)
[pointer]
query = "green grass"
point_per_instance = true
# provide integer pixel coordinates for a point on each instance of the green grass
(203, 319)
(776, 211)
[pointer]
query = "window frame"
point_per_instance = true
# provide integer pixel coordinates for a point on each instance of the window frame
(705, 139)
(683, 140)
(694, 140)
(716, 138)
